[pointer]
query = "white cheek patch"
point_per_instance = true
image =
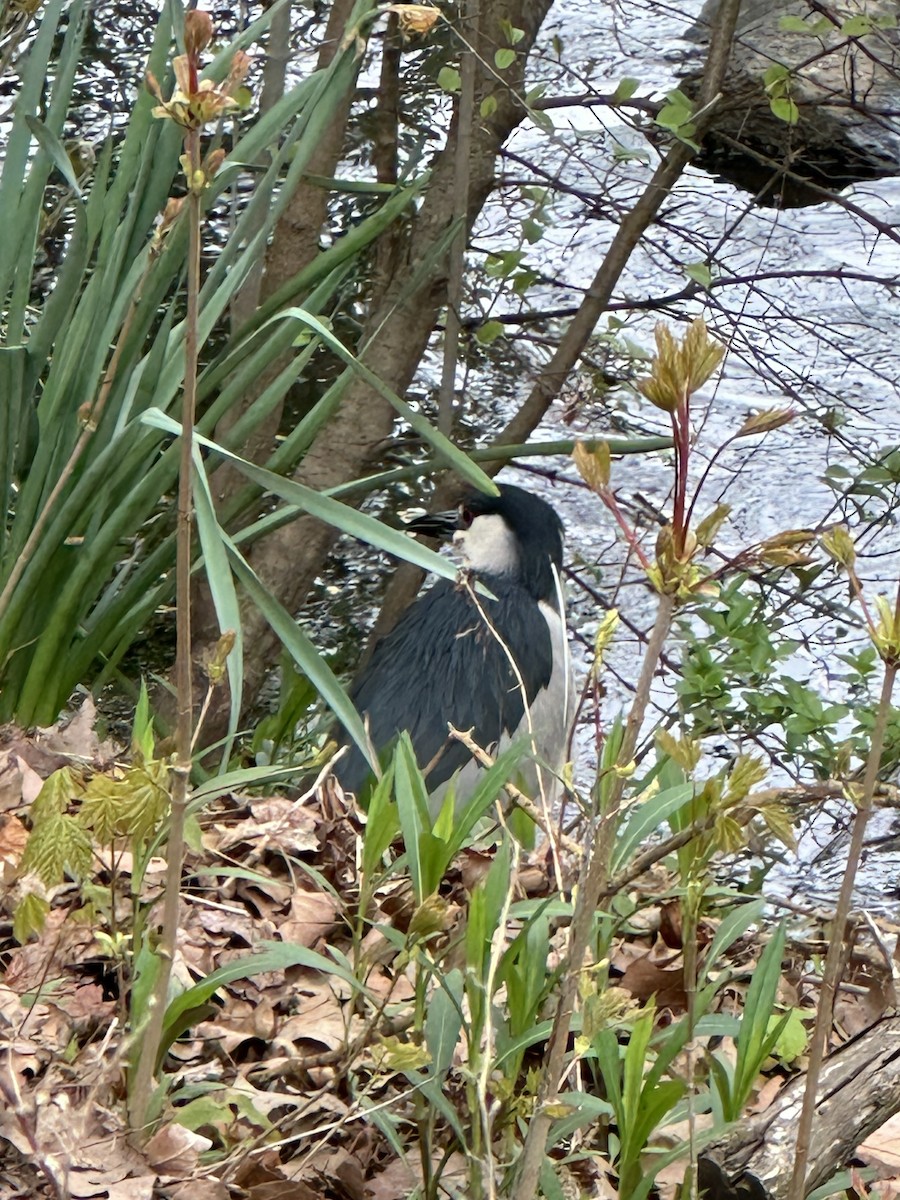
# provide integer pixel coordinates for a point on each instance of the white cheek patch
(488, 545)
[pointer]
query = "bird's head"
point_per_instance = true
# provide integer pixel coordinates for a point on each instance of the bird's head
(515, 535)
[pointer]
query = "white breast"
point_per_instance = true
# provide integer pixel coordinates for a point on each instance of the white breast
(553, 708)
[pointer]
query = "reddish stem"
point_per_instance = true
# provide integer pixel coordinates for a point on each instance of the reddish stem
(609, 499)
(681, 429)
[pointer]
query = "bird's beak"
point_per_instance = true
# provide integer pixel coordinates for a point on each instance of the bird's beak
(437, 525)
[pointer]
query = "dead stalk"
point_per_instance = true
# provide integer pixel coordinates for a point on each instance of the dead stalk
(834, 957)
(146, 1069)
(591, 888)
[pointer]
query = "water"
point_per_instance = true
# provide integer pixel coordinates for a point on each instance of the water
(797, 336)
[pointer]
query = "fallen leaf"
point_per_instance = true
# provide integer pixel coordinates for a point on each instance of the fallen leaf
(198, 1189)
(13, 836)
(174, 1150)
(644, 979)
(882, 1148)
(313, 917)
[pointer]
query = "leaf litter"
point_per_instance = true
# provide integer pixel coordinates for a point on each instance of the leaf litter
(272, 1088)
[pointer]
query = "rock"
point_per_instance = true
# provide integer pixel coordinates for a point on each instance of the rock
(831, 70)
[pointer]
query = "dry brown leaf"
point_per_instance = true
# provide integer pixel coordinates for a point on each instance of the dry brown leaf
(388, 985)
(97, 1183)
(882, 1148)
(282, 1189)
(86, 1003)
(267, 898)
(319, 1022)
(62, 944)
(231, 921)
(30, 783)
(267, 1101)
(24, 1058)
(669, 1180)
(767, 1094)
(677, 1133)
(313, 916)
(645, 978)
(133, 1189)
(13, 836)
(23, 769)
(473, 867)
(77, 737)
(70, 1129)
(277, 825)
(239, 1022)
(344, 1168)
(11, 770)
(670, 924)
(857, 1011)
(174, 1150)
(399, 1179)
(199, 1189)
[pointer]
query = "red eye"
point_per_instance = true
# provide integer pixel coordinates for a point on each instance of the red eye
(466, 517)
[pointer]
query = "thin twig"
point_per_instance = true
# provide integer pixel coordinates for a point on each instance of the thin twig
(833, 959)
(590, 892)
(142, 1083)
(519, 799)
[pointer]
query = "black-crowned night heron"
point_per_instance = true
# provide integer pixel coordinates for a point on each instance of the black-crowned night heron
(448, 659)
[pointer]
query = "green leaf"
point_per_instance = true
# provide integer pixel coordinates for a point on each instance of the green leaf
(856, 26)
(449, 79)
(301, 649)
(793, 25)
(532, 230)
(645, 818)
(423, 856)
(488, 788)
(778, 75)
(382, 825)
(29, 916)
(785, 110)
(551, 1187)
(55, 150)
(455, 458)
(699, 272)
(489, 332)
(756, 1037)
(791, 1036)
(222, 590)
(317, 504)
(730, 928)
(504, 58)
(488, 107)
(625, 89)
(443, 1022)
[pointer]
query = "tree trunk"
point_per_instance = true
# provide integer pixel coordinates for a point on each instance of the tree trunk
(295, 243)
(395, 336)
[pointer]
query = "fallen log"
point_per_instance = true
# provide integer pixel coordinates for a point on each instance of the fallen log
(859, 1090)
